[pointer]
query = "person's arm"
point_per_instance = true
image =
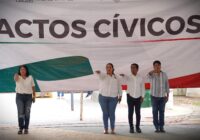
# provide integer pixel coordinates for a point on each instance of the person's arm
(125, 77)
(97, 71)
(33, 89)
(100, 74)
(16, 77)
(119, 92)
(142, 90)
(167, 87)
(34, 95)
(150, 74)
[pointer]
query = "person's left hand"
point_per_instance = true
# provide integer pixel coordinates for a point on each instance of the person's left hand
(166, 99)
(141, 99)
(33, 100)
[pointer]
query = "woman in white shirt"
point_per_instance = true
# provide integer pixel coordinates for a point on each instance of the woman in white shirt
(110, 94)
(25, 95)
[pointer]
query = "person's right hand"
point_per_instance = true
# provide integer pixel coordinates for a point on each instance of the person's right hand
(166, 98)
(98, 71)
(151, 72)
(16, 76)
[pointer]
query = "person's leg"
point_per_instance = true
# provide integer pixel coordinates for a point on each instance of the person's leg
(137, 112)
(112, 107)
(58, 94)
(89, 93)
(28, 104)
(62, 94)
(20, 110)
(155, 108)
(130, 112)
(162, 114)
(103, 101)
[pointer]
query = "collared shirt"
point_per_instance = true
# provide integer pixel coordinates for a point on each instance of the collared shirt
(135, 86)
(159, 84)
(109, 85)
(24, 86)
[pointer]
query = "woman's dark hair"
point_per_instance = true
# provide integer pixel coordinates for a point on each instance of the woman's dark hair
(157, 62)
(23, 66)
(136, 65)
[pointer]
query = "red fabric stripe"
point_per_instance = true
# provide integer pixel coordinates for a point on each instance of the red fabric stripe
(164, 40)
(188, 81)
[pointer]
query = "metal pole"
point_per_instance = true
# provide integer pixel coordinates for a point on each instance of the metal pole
(72, 101)
(81, 107)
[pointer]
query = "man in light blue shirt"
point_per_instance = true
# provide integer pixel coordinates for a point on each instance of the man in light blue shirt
(159, 95)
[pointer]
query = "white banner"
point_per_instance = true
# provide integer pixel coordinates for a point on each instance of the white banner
(121, 32)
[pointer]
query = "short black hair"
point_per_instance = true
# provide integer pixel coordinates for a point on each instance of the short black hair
(157, 62)
(136, 65)
(27, 71)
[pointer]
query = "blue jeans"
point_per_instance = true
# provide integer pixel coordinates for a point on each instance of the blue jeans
(24, 102)
(60, 94)
(158, 108)
(108, 106)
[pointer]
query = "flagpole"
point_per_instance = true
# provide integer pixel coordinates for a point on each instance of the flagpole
(81, 106)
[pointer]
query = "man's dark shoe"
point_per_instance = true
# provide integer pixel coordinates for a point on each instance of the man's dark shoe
(20, 131)
(138, 130)
(26, 131)
(162, 130)
(157, 131)
(132, 130)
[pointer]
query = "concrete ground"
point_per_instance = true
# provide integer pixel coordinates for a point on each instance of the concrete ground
(174, 132)
(53, 119)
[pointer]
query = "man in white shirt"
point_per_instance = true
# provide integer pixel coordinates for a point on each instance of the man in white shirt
(135, 96)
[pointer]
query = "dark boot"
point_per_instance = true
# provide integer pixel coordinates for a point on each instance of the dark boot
(138, 130)
(132, 130)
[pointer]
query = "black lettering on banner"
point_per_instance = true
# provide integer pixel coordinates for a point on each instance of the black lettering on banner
(191, 21)
(41, 26)
(52, 29)
(18, 28)
(115, 25)
(129, 32)
(142, 27)
(169, 22)
(7, 28)
(24, 0)
(150, 26)
(173, 25)
(78, 28)
(97, 25)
